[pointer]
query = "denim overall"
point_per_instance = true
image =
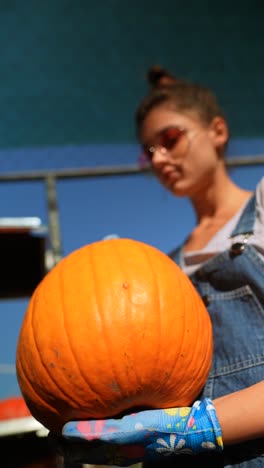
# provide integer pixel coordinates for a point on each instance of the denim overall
(232, 287)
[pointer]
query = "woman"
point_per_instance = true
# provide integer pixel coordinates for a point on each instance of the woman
(184, 134)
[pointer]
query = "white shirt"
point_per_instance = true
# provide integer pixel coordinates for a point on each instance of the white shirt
(191, 261)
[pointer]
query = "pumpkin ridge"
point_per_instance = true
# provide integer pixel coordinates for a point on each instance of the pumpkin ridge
(170, 371)
(19, 364)
(158, 295)
(44, 366)
(195, 343)
(205, 363)
(134, 367)
(186, 291)
(24, 375)
(132, 377)
(100, 311)
(201, 370)
(65, 328)
(85, 380)
(183, 336)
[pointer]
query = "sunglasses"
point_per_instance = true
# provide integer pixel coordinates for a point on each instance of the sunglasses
(167, 138)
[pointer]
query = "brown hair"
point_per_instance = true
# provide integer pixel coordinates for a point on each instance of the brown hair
(178, 94)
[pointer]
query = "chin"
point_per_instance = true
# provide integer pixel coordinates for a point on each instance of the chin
(179, 190)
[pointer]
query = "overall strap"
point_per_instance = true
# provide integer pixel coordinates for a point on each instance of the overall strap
(245, 224)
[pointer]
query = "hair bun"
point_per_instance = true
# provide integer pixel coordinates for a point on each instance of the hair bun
(158, 76)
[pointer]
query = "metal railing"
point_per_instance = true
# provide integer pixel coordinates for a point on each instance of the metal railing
(50, 178)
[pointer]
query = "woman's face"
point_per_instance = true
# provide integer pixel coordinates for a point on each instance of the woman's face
(184, 152)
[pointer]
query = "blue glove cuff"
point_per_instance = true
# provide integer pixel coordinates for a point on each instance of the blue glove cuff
(202, 431)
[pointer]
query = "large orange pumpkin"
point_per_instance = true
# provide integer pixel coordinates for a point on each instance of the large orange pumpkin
(115, 326)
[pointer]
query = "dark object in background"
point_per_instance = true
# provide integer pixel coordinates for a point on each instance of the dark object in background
(22, 256)
(28, 451)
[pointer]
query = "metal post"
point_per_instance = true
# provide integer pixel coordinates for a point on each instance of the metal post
(53, 216)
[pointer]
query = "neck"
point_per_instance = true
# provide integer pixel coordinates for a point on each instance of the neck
(221, 199)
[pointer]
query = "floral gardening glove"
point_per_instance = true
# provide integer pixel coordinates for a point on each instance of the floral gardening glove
(143, 436)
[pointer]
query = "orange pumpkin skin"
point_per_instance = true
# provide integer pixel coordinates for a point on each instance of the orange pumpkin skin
(115, 325)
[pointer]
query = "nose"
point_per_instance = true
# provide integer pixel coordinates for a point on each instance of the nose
(159, 155)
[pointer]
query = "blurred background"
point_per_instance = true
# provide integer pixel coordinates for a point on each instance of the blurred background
(72, 73)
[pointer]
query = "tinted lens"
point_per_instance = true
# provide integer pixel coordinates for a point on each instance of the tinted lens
(170, 137)
(167, 138)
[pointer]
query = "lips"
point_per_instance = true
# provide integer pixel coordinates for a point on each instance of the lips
(170, 174)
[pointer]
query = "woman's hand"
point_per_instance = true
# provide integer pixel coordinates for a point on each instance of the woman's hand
(146, 435)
